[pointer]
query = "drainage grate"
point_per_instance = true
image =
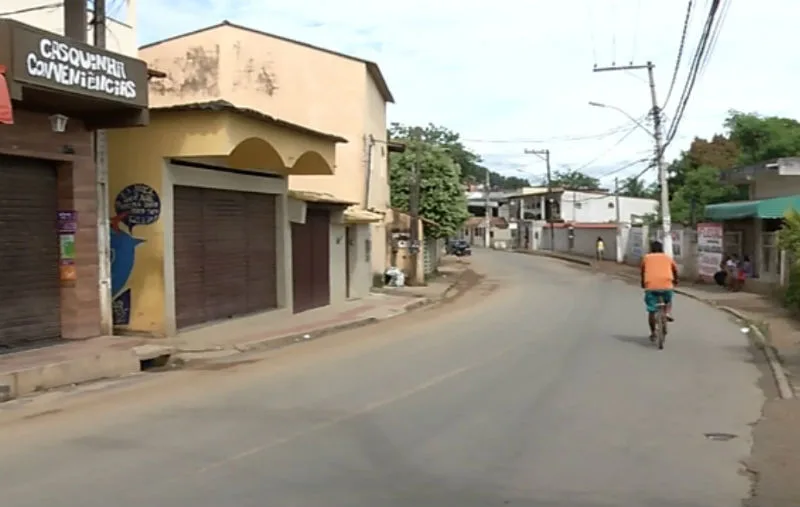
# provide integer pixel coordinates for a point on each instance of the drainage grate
(720, 437)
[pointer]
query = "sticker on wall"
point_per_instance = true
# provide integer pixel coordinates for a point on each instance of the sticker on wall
(135, 205)
(67, 227)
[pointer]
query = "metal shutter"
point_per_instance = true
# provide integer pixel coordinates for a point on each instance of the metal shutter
(226, 262)
(30, 292)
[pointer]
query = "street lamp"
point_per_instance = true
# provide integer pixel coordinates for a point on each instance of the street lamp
(625, 113)
(666, 221)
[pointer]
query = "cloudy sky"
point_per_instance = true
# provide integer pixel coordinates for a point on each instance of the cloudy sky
(516, 74)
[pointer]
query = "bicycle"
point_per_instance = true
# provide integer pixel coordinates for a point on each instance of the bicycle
(661, 323)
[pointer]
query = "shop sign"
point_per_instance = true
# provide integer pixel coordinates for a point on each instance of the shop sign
(51, 61)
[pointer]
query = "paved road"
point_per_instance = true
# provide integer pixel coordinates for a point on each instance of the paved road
(544, 394)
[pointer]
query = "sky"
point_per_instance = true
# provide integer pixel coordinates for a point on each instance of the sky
(510, 75)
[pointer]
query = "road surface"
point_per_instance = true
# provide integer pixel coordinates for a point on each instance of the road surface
(544, 393)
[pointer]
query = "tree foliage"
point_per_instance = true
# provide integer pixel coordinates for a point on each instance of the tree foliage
(762, 138)
(575, 180)
(472, 169)
(634, 186)
(441, 196)
(789, 240)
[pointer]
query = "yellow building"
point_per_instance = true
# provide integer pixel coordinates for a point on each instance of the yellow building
(203, 225)
(304, 84)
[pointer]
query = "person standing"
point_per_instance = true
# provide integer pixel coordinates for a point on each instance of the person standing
(600, 248)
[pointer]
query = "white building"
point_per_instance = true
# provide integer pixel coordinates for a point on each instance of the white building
(578, 206)
(49, 15)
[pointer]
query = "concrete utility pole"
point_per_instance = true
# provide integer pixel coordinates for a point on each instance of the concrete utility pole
(548, 203)
(619, 225)
(413, 207)
(101, 173)
(487, 219)
(666, 219)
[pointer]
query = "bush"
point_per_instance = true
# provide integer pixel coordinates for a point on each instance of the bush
(789, 240)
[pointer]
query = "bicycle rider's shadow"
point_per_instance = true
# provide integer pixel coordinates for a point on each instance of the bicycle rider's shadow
(642, 339)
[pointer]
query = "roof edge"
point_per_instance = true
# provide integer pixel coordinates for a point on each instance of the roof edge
(224, 105)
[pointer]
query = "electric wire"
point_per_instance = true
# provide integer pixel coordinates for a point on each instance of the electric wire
(681, 47)
(693, 72)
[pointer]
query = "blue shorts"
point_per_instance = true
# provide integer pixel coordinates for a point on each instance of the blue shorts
(651, 298)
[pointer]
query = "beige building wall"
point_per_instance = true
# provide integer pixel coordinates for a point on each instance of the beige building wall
(293, 82)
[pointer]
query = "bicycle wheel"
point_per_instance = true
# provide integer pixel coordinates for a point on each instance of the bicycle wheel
(661, 326)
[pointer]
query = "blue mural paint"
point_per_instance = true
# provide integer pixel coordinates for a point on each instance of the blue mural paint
(123, 256)
(135, 205)
(139, 204)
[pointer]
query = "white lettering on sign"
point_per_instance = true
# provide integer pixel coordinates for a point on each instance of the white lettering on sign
(70, 66)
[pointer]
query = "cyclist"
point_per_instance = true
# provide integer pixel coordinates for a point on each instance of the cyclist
(659, 276)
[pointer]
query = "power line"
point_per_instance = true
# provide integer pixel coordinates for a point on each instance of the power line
(681, 45)
(607, 150)
(697, 62)
(600, 135)
(715, 35)
(31, 9)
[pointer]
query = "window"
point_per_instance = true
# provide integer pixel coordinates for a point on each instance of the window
(578, 205)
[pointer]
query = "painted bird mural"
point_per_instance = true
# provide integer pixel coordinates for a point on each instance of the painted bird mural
(123, 255)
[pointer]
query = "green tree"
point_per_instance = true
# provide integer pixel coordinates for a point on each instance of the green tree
(472, 169)
(701, 187)
(634, 187)
(575, 180)
(720, 153)
(762, 138)
(441, 195)
(789, 240)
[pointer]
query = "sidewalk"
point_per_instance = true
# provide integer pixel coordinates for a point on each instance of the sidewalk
(73, 362)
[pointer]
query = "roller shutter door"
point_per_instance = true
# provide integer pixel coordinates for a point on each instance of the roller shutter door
(30, 292)
(225, 254)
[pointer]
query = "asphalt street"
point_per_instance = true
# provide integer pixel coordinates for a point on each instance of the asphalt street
(544, 392)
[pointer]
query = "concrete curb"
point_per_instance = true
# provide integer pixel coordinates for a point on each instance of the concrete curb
(186, 355)
(773, 360)
(102, 365)
(781, 379)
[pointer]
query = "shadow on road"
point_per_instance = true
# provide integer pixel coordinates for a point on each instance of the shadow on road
(642, 339)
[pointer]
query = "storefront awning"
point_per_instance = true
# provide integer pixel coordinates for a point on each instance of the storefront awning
(765, 208)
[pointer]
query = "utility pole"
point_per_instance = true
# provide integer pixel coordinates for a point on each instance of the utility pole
(413, 207)
(666, 219)
(619, 225)
(548, 203)
(487, 220)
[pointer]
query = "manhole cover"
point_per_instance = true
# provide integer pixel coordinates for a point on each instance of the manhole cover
(720, 437)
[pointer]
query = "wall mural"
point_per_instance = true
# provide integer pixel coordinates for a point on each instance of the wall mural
(135, 205)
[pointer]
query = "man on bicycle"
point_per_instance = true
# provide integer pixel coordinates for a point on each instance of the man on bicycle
(659, 276)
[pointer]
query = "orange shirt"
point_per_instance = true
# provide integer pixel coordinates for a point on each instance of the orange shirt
(657, 269)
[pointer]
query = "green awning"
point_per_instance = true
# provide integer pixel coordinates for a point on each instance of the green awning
(765, 208)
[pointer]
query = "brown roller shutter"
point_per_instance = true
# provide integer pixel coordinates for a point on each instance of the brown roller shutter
(29, 280)
(189, 258)
(262, 253)
(231, 253)
(311, 260)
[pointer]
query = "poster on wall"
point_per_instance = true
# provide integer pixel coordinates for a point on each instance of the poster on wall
(636, 241)
(67, 227)
(709, 248)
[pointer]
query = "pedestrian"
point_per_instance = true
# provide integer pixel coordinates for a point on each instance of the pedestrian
(600, 247)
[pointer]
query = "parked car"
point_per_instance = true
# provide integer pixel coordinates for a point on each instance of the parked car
(459, 248)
